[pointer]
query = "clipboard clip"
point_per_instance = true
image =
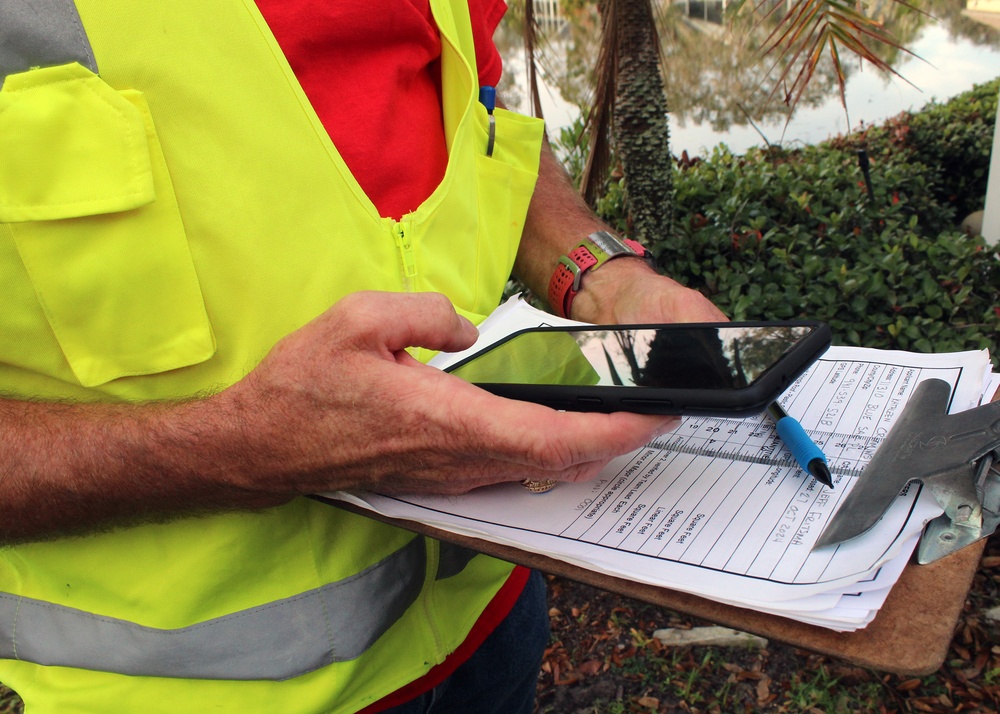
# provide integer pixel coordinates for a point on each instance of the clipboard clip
(963, 525)
(956, 456)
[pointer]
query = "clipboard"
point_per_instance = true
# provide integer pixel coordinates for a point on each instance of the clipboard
(909, 636)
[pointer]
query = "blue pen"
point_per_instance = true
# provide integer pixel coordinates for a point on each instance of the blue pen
(488, 98)
(809, 456)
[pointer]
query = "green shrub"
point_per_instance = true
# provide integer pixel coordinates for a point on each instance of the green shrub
(779, 234)
(950, 141)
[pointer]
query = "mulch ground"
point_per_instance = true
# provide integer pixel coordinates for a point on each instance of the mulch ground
(603, 659)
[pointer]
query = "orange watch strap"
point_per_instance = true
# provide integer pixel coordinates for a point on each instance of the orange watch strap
(595, 250)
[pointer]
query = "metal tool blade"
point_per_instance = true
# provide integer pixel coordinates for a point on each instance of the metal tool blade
(928, 445)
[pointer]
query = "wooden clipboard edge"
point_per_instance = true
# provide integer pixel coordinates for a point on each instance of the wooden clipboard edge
(909, 636)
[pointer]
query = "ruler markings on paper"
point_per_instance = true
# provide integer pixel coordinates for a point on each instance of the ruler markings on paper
(853, 450)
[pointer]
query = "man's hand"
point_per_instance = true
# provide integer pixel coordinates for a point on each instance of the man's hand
(626, 290)
(341, 404)
(337, 404)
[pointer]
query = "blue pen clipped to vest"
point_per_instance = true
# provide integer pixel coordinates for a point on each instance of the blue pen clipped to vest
(488, 98)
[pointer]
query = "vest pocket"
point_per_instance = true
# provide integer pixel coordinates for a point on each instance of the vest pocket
(506, 181)
(86, 196)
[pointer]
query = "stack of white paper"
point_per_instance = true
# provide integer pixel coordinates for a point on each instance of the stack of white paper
(718, 508)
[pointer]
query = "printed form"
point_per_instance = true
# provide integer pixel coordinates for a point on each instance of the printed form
(719, 507)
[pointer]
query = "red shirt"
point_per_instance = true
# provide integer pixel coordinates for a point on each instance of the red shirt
(371, 72)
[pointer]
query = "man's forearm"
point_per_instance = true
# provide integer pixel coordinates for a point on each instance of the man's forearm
(72, 468)
(558, 219)
(623, 290)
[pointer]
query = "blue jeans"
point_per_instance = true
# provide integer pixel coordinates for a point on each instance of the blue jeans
(500, 677)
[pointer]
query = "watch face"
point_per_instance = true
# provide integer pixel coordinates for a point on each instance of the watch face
(608, 243)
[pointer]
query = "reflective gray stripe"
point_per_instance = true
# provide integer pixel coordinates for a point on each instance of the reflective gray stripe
(41, 33)
(277, 640)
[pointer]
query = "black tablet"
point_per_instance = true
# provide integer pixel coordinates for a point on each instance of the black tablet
(722, 369)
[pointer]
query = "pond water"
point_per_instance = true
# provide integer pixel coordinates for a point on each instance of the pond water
(711, 84)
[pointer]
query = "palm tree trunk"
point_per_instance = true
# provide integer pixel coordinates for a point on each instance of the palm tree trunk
(642, 135)
(629, 111)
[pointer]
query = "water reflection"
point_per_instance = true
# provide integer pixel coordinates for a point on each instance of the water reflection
(717, 93)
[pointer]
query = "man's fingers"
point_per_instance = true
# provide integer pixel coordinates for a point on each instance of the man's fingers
(566, 439)
(397, 321)
(535, 436)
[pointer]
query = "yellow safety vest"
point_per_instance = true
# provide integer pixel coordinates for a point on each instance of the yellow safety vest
(170, 207)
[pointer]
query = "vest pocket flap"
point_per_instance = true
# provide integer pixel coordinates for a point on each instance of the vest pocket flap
(119, 289)
(71, 145)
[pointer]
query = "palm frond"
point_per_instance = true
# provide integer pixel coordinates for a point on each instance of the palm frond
(801, 34)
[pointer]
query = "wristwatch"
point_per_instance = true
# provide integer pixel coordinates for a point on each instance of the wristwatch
(590, 254)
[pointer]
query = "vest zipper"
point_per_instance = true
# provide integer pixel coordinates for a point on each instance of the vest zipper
(407, 258)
